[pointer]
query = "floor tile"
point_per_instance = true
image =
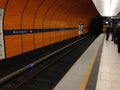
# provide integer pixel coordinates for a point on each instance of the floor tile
(109, 70)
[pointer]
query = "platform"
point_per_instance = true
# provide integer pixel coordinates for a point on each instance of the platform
(97, 69)
(109, 71)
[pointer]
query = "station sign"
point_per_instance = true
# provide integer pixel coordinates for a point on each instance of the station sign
(2, 52)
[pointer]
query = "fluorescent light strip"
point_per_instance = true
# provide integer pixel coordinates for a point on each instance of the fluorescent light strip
(107, 4)
(113, 7)
(107, 7)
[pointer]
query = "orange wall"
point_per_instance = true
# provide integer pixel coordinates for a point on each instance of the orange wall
(3, 3)
(43, 14)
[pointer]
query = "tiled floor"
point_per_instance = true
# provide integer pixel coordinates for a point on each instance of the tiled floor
(109, 71)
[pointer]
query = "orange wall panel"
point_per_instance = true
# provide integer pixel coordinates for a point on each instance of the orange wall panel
(38, 40)
(40, 16)
(62, 35)
(68, 34)
(104, 28)
(62, 23)
(61, 13)
(29, 14)
(65, 35)
(76, 32)
(85, 30)
(46, 38)
(57, 36)
(52, 37)
(28, 42)
(56, 16)
(50, 13)
(3, 3)
(13, 13)
(13, 45)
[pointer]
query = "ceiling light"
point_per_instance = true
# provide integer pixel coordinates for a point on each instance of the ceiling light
(107, 7)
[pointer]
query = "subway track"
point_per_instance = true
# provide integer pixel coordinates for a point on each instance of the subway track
(49, 72)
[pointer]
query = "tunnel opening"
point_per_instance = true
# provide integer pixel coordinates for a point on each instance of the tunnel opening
(96, 26)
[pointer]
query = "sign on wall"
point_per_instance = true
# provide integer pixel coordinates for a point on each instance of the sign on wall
(2, 53)
(80, 29)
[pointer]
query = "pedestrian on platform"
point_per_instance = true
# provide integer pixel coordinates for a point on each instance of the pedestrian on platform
(107, 32)
(118, 39)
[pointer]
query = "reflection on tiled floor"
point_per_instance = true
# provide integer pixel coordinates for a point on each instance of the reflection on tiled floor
(109, 71)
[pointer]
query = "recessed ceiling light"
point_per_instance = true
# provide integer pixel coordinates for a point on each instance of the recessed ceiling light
(107, 7)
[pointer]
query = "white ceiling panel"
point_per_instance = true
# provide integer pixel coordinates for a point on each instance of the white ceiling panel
(107, 7)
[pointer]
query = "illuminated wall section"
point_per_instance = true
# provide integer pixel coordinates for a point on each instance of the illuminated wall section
(32, 24)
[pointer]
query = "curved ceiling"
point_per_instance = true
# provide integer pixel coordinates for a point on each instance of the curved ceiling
(28, 14)
(32, 15)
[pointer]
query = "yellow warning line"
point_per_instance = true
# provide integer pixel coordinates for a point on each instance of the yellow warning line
(85, 80)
